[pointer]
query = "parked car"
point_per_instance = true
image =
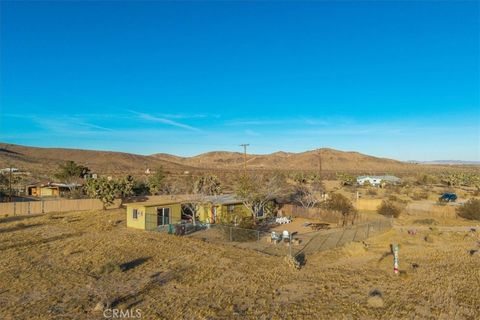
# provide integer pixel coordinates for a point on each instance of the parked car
(448, 197)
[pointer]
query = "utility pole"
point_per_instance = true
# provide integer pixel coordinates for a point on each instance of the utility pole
(319, 165)
(10, 185)
(245, 145)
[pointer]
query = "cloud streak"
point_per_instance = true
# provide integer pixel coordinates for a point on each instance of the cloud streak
(163, 120)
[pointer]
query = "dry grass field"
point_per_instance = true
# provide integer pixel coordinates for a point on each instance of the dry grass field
(59, 266)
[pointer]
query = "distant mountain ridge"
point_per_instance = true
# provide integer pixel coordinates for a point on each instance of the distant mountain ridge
(447, 162)
(327, 159)
(46, 160)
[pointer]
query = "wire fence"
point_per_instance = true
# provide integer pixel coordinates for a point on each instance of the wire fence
(306, 243)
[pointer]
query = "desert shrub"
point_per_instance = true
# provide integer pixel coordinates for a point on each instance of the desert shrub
(372, 192)
(389, 209)
(340, 203)
(425, 221)
(423, 195)
(392, 197)
(427, 179)
(109, 267)
(470, 210)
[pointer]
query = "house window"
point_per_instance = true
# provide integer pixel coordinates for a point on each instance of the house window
(231, 208)
(135, 214)
(163, 216)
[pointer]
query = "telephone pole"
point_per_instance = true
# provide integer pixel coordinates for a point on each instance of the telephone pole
(245, 145)
(10, 184)
(319, 165)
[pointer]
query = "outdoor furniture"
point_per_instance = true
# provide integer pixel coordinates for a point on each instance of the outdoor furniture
(286, 236)
(283, 220)
(276, 236)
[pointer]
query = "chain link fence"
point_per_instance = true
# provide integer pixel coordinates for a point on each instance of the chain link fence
(306, 243)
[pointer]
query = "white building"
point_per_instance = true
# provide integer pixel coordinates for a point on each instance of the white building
(377, 180)
(8, 170)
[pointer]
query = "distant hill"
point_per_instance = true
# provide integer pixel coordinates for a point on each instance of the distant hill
(44, 161)
(328, 159)
(447, 162)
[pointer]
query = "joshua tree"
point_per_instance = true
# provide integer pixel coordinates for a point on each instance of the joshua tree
(156, 182)
(107, 190)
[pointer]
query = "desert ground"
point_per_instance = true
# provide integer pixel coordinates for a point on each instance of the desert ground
(61, 266)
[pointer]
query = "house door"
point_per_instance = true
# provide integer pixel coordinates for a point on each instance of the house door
(163, 216)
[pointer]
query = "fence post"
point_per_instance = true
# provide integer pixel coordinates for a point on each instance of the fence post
(14, 208)
(43, 208)
(290, 245)
(258, 235)
(230, 233)
(355, 234)
(29, 212)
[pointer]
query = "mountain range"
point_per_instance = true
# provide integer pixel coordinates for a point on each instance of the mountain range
(46, 160)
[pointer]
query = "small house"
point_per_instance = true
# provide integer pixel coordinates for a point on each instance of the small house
(151, 215)
(225, 208)
(50, 189)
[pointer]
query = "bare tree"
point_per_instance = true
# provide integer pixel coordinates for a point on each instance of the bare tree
(256, 192)
(308, 192)
(201, 188)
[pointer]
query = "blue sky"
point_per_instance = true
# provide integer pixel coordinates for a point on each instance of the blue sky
(391, 79)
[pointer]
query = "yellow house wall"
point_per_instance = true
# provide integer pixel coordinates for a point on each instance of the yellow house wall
(46, 192)
(239, 211)
(223, 216)
(151, 215)
(136, 223)
(204, 213)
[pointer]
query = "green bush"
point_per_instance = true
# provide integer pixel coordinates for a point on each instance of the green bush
(389, 209)
(470, 210)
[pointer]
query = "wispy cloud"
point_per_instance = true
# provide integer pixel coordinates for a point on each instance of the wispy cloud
(188, 116)
(252, 133)
(63, 124)
(252, 122)
(265, 122)
(164, 120)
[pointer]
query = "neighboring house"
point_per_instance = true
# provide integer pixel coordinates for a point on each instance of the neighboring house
(377, 180)
(151, 215)
(223, 208)
(8, 170)
(50, 189)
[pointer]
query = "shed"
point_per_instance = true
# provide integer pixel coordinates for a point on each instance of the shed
(151, 215)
